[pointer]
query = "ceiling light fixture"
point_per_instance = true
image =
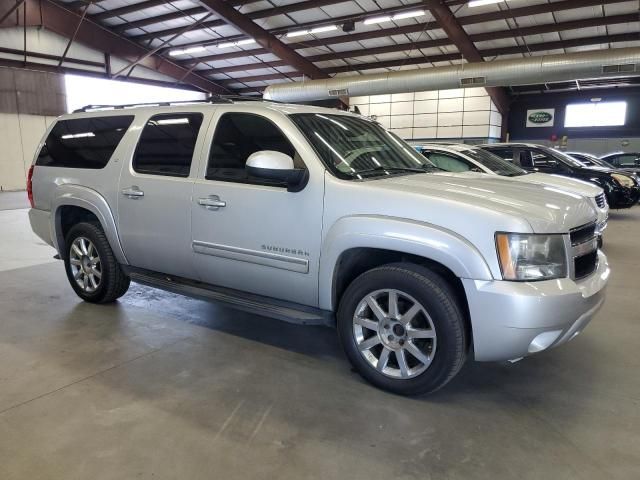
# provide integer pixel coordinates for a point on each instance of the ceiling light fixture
(186, 51)
(397, 16)
(299, 33)
(479, 3)
(246, 41)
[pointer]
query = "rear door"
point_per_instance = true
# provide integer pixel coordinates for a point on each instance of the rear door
(155, 193)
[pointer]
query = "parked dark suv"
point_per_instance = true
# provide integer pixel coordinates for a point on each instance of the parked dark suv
(622, 188)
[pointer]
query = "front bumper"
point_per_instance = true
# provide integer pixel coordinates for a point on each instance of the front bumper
(511, 320)
(623, 197)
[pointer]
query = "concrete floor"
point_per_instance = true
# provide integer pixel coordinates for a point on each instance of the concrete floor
(160, 386)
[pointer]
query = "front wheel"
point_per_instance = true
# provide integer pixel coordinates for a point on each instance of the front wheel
(92, 269)
(402, 329)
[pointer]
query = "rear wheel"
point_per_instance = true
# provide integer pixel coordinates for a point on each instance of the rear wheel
(402, 329)
(92, 269)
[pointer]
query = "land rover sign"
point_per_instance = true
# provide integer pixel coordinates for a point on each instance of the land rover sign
(541, 118)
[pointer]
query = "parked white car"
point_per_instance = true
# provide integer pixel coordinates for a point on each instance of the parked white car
(454, 157)
(318, 216)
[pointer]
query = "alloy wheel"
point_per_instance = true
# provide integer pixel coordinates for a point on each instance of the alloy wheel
(86, 266)
(394, 333)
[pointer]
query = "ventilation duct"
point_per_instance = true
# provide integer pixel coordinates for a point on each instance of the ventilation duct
(499, 73)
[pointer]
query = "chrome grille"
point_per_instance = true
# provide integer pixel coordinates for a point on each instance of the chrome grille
(601, 200)
(584, 251)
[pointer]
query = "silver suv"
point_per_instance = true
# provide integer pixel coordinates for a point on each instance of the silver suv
(317, 216)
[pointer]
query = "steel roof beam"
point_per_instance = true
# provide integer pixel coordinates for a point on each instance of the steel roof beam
(467, 20)
(448, 22)
(60, 20)
(488, 53)
(137, 7)
(263, 38)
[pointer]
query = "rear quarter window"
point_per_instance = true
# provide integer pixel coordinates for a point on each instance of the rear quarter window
(84, 142)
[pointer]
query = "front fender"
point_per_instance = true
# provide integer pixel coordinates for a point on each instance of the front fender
(401, 235)
(89, 199)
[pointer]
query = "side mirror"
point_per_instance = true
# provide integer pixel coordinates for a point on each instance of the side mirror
(276, 166)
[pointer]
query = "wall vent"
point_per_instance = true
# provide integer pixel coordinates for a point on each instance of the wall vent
(625, 68)
(342, 92)
(473, 81)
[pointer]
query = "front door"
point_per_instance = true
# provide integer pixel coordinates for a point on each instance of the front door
(252, 235)
(154, 198)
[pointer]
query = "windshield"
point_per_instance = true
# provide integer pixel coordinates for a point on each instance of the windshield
(564, 158)
(494, 163)
(355, 148)
(587, 159)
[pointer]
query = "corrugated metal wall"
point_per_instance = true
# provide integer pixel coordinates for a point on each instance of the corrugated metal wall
(29, 102)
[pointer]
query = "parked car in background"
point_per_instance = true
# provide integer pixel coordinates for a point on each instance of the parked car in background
(623, 159)
(590, 160)
(316, 216)
(621, 188)
(465, 158)
(593, 161)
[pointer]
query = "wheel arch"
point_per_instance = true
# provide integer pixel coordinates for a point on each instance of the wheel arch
(356, 244)
(75, 202)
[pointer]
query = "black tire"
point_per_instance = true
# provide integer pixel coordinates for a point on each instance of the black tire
(113, 283)
(446, 315)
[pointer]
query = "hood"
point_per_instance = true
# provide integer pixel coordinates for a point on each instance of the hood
(546, 208)
(572, 185)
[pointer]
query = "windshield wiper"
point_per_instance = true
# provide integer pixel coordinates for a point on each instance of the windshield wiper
(388, 169)
(424, 168)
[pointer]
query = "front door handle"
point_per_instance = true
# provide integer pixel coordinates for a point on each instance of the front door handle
(212, 202)
(133, 192)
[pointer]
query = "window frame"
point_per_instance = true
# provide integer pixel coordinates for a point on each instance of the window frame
(43, 145)
(196, 151)
(454, 156)
(212, 137)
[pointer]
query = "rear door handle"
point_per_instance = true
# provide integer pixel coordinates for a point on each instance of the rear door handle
(133, 192)
(212, 202)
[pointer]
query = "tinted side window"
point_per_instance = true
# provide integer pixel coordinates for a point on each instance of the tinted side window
(627, 160)
(167, 143)
(543, 161)
(237, 137)
(83, 142)
(448, 163)
(504, 153)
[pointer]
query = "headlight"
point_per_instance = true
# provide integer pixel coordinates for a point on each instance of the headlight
(531, 257)
(623, 180)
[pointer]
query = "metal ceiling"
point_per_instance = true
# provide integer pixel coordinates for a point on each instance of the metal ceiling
(143, 33)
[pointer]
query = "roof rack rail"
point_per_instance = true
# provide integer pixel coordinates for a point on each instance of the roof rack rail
(214, 99)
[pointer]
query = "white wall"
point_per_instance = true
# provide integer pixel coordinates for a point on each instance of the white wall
(438, 115)
(20, 135)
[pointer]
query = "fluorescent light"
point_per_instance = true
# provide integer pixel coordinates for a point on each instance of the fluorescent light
(185, 51)
(78, 135)
(374, 20)
(326, 28)
(479, 3)
(411, 14)
(246, 41)
(397, 16)
(299, 33)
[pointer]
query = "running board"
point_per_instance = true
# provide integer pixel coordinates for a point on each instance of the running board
(247, 302)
